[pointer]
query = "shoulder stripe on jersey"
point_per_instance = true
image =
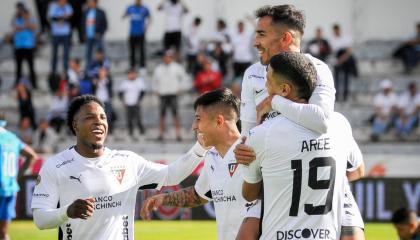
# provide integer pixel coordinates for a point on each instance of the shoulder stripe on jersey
(148, 186)
(208, 194)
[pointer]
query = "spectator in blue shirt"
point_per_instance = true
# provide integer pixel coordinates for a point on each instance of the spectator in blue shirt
(11, 148)
(59, 14)
(24, 28)
(139, 23)
(95, 25)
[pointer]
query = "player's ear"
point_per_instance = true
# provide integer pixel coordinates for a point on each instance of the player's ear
(285, 90)
(220, 120)
(74, 125)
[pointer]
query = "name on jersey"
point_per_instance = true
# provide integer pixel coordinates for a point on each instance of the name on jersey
(106, 202)
(306, 233)
(316, 145)
(218, 196)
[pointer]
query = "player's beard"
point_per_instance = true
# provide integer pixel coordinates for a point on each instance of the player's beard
(95, 146)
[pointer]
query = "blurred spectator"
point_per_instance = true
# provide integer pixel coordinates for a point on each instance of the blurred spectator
(139, 23)
(131, 92)
(58, 109)
(59, 14)
(221, 58)
(409, 51)
(199, 63)
(193, 44)
(167, 80)
(99, 62)
(242, 50)
(74, 76)
(344, 62)
(24, 42)
(76, 24)
(102, 86)
(319, 47)
(94, 25)
(174, 11)
(406, 223)
(385, 104)
(24, 130)
(207, 80)
(42, 9)
(44, 138)
(26, 108)
(221, 35)
(408, 107)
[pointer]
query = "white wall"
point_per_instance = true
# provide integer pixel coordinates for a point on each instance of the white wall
(364, 19)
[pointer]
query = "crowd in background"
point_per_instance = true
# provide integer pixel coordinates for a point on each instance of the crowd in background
(205, 64)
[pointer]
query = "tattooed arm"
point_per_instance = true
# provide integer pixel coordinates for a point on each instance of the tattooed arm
(186, 197)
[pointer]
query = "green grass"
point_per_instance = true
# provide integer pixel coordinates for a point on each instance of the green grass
(174, 230)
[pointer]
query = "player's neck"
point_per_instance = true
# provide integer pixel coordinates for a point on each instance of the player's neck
(226, 142)
(88, 152)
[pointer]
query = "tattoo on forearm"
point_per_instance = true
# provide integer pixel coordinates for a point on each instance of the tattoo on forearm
(183, 198)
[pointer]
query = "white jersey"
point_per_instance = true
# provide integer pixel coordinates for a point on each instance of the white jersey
(304, 177)
(112, 180)
(313, 115)
(221, 181)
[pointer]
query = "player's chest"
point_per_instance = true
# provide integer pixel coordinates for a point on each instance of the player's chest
(258, 89)
(225, 174)
(98, 180)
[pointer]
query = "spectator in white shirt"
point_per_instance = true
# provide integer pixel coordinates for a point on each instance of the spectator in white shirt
(131, 92)
(44, 138)
(167, 83)
(102, 86)
(385, 104)
(57, 114)
(193, 44)
(344, 63)
(242, 50)
(408, 106)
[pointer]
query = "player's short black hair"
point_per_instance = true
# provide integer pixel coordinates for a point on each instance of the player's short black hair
(75, 106)
(222, 97)
(403, 215)
(286, 14)
(297, 69)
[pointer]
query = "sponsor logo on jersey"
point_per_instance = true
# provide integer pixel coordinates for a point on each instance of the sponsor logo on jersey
(118, 172)
(270, 115)
(250, 205)
(41, 195)
(255, 76)
(69, 232)
(76, 178)
(306, 233)
(125, 227)
(64, 163)
(219, 196)
(38, 179)
(104, 202)
(259, 91)
(232, 168)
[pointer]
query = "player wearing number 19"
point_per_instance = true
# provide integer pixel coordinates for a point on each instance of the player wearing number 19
(303, 172)
(11, 147)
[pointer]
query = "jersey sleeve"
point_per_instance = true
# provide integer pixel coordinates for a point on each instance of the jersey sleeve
(256, 139)
(355, 157)
(155, 175)
(202, 185)
(46, 190)
(248, 108)
(316, 113)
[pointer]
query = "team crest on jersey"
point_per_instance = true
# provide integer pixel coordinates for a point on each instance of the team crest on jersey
(232, 168)
(118, 172)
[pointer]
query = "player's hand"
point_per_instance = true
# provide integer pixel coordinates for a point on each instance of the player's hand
(151, 204)
(264, 107)
(81, 208)
(244, 154)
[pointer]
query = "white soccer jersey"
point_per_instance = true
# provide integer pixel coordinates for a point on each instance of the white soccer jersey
(304, 177)
(221, 181)
(312, 116)
(112, 179)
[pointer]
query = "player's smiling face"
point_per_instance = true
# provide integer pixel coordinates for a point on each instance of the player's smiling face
(204, 125)
(91, 126)
(267, 39)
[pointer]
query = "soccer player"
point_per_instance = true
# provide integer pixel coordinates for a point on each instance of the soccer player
(406, 223)
(95, 187)
(303, 171)
(280, 29)
(11, 148)
(220, 181)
